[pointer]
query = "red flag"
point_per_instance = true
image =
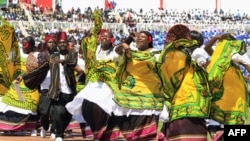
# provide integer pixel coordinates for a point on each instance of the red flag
(106, 4)
(44, 3)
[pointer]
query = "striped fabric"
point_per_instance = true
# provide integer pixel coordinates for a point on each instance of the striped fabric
(17, 122)
(187, 129)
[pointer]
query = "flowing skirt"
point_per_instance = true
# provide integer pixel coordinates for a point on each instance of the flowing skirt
(101, 94)
(108, 120)
(14, 119)
(187, 129)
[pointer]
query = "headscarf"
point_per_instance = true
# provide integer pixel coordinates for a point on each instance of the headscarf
(62, 36)
(178, 31)
(31, 41)
(48, 37)
(100, 34)
(30, 44)
(102, 31)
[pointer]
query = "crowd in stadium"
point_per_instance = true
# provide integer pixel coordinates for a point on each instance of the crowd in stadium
(215, 22)
(169, 16)
(182, 58)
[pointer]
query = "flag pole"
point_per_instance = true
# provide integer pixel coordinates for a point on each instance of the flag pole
(216, 5)
(161, 4)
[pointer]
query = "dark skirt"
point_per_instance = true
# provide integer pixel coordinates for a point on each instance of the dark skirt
(139, 128)
(111, 127)
(13, 121)
(216, 132)
(98, 120)
(187, 129)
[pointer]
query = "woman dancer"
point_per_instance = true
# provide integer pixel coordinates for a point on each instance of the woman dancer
(186, 86)
(109, 117)
(19, 104)
(230, 98)
(99, 67)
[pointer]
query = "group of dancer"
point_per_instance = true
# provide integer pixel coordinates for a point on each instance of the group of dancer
(126, 91)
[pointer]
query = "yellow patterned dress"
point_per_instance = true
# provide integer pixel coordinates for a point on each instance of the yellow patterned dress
(185, 83)
(187, 90)
(16, 109)
(10, 62)
(139, 87)
(230, 94)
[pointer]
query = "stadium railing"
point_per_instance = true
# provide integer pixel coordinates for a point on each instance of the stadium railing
(115, 27)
